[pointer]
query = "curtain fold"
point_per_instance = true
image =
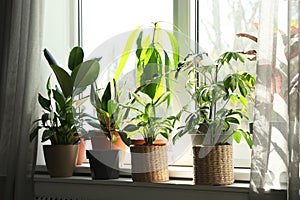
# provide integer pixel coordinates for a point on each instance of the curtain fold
(275, 154)
(21, 42)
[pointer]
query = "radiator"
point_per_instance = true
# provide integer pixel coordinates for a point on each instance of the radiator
(57, 198)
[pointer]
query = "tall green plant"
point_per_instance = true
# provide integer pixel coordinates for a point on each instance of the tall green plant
(153, 61)
(213, 97)
(58, 120)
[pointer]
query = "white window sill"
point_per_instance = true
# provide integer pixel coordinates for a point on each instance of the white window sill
(83, 187)
(177, 172)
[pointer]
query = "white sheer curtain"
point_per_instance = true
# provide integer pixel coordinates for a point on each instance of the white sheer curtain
(20, 54)
(275, 155)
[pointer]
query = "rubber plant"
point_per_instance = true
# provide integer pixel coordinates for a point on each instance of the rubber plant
(60, 119)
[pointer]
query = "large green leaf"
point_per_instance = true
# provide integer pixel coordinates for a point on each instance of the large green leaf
(175, 49)
(126, 53)
(162, 98)
(87, 73)
(112, 106)
(94, 98)
(59, 98)
(106, 97)
(45, 103)
(124, 138)
(139, 99)
(237, 136)
(75, 58)
(49, 58)
(64, 79)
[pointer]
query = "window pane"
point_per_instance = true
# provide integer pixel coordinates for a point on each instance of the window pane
(105, 19)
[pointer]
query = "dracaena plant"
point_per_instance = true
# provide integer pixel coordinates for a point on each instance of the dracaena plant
(154, 57)
(220, 103)
(60, 119)
(108, 110)
(146, 119)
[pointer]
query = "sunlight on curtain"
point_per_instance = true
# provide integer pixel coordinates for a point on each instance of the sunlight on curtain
(275, 156)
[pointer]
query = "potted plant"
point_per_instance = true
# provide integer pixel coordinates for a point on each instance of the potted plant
(149, 158)
(59, 119)
(220, 105)
(157, 56)
(104, 162)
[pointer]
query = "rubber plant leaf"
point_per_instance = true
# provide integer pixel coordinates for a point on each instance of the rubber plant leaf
(87, 73)
(75, 58)
(126, 52)
(49, 58)
(64, 79)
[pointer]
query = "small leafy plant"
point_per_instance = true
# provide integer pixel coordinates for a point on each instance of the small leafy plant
(220, 104)
(108, 110)
(60, 118)
(147, 121)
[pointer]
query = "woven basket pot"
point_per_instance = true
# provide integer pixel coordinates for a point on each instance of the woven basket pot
(213, 165)
(149, 163)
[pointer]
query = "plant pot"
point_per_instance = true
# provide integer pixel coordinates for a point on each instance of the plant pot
(149, 163)
(207, 140)
(60, 159)
(100, 142)
(104, 164)
(81, 151)
(142, 141)
(213, 165)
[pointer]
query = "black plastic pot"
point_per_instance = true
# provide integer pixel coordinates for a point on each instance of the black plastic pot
(104, 164)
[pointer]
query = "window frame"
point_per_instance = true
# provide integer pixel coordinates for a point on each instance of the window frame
(182, 17)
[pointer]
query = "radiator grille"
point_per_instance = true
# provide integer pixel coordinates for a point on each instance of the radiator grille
(55, 198)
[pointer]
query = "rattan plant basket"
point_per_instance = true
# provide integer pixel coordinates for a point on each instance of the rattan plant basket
(149, 163)
(213, 165)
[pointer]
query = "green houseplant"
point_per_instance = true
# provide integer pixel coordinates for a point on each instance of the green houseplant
(108, 121)
(60, 118)
(220, 104)
(157, 55)
(149, 158)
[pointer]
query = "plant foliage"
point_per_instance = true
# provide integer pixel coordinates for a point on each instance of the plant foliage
(60, 117)
(219, 103)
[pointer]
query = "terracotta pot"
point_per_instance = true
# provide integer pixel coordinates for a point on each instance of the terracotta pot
(142, 141)
(81, 151)
(60, 159)
(100, 142)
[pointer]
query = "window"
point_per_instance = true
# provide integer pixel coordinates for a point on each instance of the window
(102, 20)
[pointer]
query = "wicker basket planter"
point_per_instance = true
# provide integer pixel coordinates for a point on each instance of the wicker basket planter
(213, 165)
(149, 163)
